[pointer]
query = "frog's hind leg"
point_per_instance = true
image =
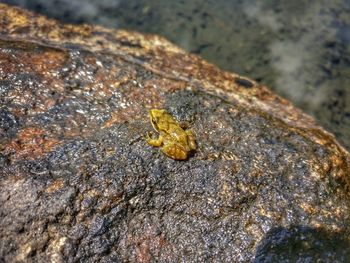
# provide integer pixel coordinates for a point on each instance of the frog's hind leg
(191, 139)
(174, 151)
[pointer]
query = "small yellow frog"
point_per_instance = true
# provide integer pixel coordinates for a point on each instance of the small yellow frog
(175, 141)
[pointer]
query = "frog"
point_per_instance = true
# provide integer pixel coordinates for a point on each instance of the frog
(175, 140)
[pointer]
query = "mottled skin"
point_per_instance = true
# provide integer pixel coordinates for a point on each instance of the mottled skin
(174, 140)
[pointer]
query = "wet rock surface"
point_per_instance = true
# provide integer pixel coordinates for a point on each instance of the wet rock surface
(298, 49)
(80, 184)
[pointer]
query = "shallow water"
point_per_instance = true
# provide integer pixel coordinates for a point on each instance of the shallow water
(300, 49)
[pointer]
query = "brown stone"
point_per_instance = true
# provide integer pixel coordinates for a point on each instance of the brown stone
(80, 184)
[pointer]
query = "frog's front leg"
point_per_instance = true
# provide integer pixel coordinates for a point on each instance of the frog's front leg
(155, 142)
(191, 139)
(174, 151)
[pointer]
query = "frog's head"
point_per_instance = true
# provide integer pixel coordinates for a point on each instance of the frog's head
(156, 116)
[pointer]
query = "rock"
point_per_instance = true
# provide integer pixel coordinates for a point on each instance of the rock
(80, 184)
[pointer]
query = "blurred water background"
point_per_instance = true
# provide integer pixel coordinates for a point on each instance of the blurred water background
(300, 48)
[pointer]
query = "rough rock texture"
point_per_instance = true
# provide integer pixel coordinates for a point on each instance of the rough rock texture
(79, 183)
